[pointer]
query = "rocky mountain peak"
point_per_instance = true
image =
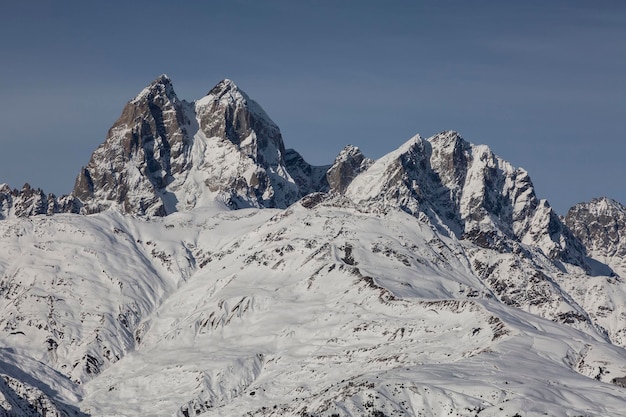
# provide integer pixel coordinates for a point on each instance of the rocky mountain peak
(226, 94)
(602, 206)
(249, 170)
(228, 91)
(601, 225)
(496, 202)
(164, 154)
(351, 152)
(449, 139)
(349, 163)
(227, 112)
(161, 88)
(452, 154)
(143, 150)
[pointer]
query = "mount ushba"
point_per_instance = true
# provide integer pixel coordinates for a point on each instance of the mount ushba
(200, 268)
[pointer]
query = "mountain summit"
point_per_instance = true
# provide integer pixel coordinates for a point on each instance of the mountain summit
(164, 154)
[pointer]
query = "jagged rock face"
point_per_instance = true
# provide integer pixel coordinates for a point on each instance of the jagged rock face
(467, 191)
(31, 202)
(243, 152)
(144, 149)
(349, 163)
(23, 203)
(164, 154)
(308, 178)
(227, 112)
(600, 225)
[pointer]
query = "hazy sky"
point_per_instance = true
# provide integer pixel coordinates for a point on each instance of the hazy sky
(542, 83)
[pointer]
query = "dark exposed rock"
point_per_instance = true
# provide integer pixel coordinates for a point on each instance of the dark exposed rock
(600, 225)
(620, 382)
(227, 112)
(145, 147)
(251, 143)
(349, 163)
(313, 200)
(22, 399)
(308, 178)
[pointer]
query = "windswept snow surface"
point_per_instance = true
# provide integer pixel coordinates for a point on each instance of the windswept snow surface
(321, 309)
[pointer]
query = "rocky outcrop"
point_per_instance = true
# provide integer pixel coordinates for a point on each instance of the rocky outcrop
(239, 152)
(349, 163)
(33, 201)
(600, 225)
(308, 178)
(19, 399)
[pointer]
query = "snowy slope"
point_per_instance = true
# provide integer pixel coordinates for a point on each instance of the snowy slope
(327, 309)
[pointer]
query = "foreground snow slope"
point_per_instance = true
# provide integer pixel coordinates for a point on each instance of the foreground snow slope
(322, 308)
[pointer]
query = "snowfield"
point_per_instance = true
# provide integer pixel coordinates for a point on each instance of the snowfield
(323, 310)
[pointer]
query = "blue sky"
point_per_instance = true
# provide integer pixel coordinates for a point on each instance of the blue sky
(542, 83)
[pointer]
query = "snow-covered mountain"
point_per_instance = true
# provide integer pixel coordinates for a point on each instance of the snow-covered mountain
(218, 273)
(467, 191)
(164, 154)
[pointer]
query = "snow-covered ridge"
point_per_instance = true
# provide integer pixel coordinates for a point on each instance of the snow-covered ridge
(467, 191)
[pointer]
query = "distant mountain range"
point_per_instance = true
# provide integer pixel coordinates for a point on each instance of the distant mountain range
(199, 267)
